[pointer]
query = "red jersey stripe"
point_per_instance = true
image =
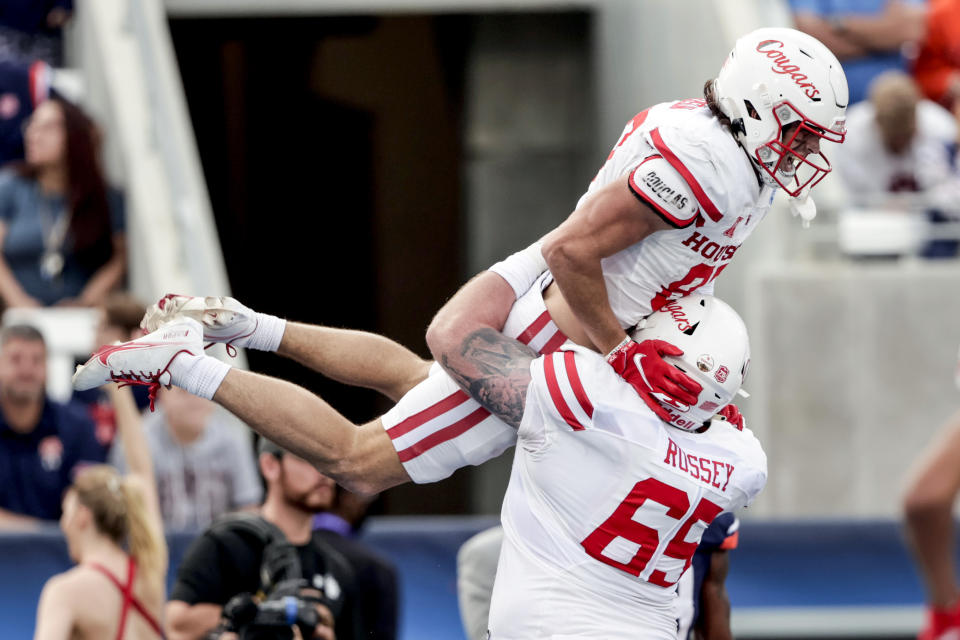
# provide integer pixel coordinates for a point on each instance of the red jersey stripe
(455, 399)
(634, 124)
(574, 378)
(705, 203)
(447, 433)
(535, 327)
(553, 343)
(554, 388)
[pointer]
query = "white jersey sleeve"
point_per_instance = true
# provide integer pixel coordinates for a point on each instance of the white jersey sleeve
(658, 185)
(694, 160)
(556, 396)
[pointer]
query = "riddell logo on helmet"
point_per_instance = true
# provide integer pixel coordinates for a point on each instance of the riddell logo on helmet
(783, 65)
(676, 312)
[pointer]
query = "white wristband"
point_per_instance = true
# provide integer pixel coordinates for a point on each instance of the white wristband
(268, 334)
(522, 268)
(200, 375)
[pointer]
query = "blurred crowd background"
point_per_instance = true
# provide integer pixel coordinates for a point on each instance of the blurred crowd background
(352, 163)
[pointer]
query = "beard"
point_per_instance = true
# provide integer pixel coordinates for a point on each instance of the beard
(312, 500)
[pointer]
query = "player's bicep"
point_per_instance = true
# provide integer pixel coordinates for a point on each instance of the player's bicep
(607, 222)
(662, 189)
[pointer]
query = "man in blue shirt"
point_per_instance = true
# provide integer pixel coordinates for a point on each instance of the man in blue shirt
(868, 36)
(22, 87)
(42, 443)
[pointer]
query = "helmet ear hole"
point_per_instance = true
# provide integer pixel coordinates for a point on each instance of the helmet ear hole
(751, 111)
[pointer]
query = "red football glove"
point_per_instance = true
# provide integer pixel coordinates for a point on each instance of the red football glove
(732, 414)
(656, 380)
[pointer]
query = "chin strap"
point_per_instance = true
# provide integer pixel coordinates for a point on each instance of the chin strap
(804, 206)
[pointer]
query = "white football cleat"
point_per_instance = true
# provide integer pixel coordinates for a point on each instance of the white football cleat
(144, 361)
(224, 319)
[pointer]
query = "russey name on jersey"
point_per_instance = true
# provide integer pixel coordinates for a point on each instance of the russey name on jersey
(715, 473)
(709, 249)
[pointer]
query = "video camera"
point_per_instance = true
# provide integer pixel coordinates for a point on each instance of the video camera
(290, 600)
(274, 617)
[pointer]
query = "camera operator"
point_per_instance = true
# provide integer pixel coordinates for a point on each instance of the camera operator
(234, 558)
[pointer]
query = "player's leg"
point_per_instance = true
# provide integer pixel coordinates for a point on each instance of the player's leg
(928, 502)
(360, 458)
(356, 358)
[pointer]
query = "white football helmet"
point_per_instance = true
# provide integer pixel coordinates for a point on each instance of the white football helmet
(773, 78)
(716, 353)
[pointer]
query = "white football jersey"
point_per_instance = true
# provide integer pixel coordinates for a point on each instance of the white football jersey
(606, 506)
(688, 168)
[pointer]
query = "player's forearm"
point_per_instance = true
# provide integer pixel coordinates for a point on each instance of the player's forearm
(580, 278)
(495, 371)
(356, 358)
(484, 302)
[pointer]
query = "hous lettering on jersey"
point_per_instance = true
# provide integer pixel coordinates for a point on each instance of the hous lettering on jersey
(713, 251)
(715, 473)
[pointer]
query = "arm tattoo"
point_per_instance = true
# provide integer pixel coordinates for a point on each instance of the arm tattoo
(495, 371)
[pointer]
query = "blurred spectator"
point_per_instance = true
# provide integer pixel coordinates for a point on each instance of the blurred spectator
(376, 576)
(898, 155)
(42, 443)
(868, 36)
(928, 509)
(937, 67)
(104, 514)
(22, 88)
(226, 560)
(203, 460)
(32, 30)
(119, 322)
(61, 229)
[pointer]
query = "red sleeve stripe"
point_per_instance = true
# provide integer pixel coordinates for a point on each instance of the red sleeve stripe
(634, 123)
(443, 435)
(535, 327)
(705, 203)
(455, 399)
(557, 395)
(570, 363)
(553, 343)
(663, 213)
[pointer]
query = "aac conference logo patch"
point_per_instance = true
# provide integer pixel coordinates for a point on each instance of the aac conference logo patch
(9, 105)
(51, 453)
